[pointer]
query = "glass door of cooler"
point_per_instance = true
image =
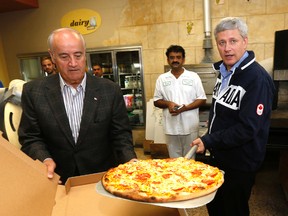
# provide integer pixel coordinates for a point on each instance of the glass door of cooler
(129, 74)
(30, 65)
(105, 60)
(124, 66)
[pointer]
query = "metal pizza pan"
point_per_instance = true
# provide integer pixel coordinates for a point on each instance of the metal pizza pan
(191, 203)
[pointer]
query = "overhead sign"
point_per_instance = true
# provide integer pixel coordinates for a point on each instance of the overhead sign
(85, 21)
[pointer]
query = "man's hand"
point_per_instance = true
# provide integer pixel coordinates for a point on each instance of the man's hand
(201, 147)
(133, 160)
(178, 109)
(174, 108)
(51, 165)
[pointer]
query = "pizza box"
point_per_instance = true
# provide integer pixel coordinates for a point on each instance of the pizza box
(79, 197)
(24, 186)
(26, 191)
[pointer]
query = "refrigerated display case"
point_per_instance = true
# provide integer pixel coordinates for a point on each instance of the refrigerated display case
(123, 65)
(30, 66)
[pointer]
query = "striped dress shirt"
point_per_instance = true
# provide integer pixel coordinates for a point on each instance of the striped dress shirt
(73, 101)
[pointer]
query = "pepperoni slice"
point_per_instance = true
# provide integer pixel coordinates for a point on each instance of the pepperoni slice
(196, 172)
(166, 176)
(208, 181)
(143, 176)
(177, 189)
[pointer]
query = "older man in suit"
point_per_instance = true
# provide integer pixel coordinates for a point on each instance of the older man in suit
(75, 123)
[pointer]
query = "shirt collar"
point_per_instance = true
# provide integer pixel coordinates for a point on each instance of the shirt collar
(223, 69)
(184, 71)
(82, 84)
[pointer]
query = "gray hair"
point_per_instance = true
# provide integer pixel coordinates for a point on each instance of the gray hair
(231, 23)
(51, 36)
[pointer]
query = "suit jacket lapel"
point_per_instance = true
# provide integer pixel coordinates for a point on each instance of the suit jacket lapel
(55, 101)
(89, 107)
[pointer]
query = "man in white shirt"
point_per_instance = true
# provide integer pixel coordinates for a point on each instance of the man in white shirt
(179, 93)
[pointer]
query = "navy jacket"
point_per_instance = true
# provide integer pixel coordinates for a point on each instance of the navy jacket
(239, 118)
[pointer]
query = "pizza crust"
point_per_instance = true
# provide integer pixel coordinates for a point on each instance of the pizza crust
(135, 195)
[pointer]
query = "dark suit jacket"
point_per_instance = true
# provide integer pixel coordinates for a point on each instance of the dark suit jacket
(105, 137)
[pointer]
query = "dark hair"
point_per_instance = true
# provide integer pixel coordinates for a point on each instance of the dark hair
(97, 63)
(46, 58)
(175, 48)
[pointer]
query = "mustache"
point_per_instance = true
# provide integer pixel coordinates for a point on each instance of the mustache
(175, 63)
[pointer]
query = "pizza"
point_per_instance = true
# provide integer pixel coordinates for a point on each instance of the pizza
(162, 180)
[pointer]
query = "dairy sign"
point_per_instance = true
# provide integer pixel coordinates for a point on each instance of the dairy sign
(85, 21)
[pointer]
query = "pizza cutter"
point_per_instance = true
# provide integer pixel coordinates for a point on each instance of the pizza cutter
(192, 153)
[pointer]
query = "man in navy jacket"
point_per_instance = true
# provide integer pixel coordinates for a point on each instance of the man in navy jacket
(239, 118)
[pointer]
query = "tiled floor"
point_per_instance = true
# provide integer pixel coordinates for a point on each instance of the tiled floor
(267, 197)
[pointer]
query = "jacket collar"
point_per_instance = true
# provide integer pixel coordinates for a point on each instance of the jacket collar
(244, 64)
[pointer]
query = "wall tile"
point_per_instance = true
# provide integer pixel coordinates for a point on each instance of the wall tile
(153, 61)
(190, 55)
(286, 21)
(277, 6)
(216, 10)
(269, 50)
(153, 81)
(261, 31)
(134, 35)
(162, 35)
(126, 16)
(112, 41)
(258, 50)
(195, 37)
(198, 9)
(219, 10)
(245, 7)
(146, 11)
(148, 89)
(150, 82)
(177, 10)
